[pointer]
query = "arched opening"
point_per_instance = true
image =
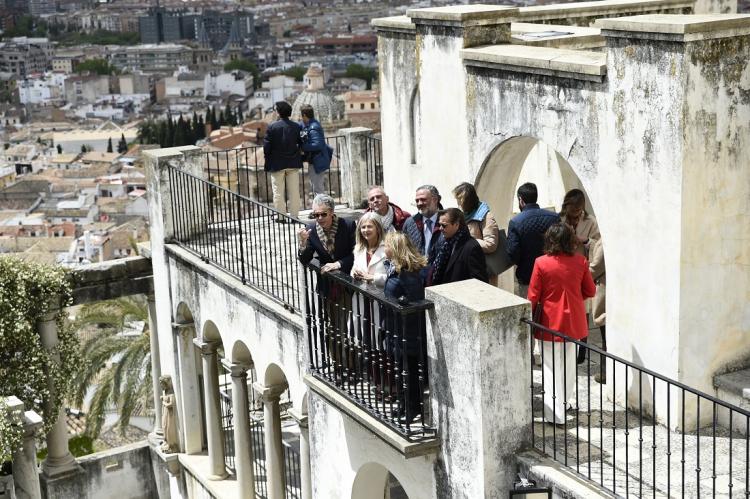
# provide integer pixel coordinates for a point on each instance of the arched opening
(375, 481)
(189, 371)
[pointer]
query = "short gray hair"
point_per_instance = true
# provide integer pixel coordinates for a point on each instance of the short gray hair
(429, 187)
(324, 200)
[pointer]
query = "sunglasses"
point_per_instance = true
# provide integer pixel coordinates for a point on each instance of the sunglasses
(442, 225)
(318, 215)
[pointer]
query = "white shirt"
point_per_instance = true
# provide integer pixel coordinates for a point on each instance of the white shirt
(428, 232)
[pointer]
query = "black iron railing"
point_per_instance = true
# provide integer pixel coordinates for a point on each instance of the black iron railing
(227, 428)
(370, 348)
(374, 159)
(248, 239)
(257, 442)
(292, 471)
(241, 170)
(597, 418)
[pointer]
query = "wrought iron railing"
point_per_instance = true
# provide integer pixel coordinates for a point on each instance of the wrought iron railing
(227, 428)
(248, 239)
(374, 159)
(292, 471)
(601, 424)
(257, 442)
(241, 170)
(370, 348)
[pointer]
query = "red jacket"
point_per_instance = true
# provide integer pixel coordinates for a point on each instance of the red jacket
(561, 283)
(399, 216)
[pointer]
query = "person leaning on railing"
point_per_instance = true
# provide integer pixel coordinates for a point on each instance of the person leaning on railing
(560, 281)
(317, 154)
(404, 283)
(282, 150)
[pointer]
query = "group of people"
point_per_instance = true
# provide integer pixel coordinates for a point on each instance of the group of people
(286, 146)
(558, 258)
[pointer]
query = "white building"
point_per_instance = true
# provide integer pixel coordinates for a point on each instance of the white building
(225, 84)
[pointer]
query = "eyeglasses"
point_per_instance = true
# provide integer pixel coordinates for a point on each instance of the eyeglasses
(442, 225)
(319, 215)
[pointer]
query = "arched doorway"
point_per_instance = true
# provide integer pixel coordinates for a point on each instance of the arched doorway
(375, 481)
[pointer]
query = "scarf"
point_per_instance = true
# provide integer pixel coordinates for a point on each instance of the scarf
(328, 237)
(387, 220)
(478, 213)
(444, 253)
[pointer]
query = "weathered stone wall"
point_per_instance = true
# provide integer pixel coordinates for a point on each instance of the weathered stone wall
(125, 472)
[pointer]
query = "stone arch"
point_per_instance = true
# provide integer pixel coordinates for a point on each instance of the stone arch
(211, 332)
(183, 314)
(371, 481)
(274, 375)
(240, 353)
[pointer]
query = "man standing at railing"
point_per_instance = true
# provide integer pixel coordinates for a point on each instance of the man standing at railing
(316, 152)
(393, 217)
(282, 149)
(422, 228)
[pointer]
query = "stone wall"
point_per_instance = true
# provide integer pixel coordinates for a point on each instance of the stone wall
(125, 472)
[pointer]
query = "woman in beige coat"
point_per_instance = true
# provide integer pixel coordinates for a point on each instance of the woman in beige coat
(479, 219)
(598, 310)
(574, 213)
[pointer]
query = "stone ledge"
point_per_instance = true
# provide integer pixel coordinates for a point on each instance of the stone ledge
(395, 23)
(382, 431)
(199, 467)
(596, 8)
(564, 482)
(563, 63)
(464, 15)
(737, 383)
(676, 23)
(570, 37)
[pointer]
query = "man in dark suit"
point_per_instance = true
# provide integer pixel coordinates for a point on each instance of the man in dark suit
(282, 150)
(459, 256)
(329, 238)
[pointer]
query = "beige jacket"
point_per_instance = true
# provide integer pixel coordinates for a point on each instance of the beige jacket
(485, 232)
(598, 272)
(587, 228)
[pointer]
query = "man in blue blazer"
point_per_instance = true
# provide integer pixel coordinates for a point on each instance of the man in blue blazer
(317, 153)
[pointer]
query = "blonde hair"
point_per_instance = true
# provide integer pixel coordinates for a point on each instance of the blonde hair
(404, 255)
(373, 217)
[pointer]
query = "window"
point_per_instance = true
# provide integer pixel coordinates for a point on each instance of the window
(372, 105)
(362, 106)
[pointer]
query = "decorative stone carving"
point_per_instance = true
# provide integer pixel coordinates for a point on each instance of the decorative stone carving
(169, 416)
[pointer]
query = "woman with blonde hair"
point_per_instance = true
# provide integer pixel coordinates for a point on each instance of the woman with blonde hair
(369, 250)
(404, 284)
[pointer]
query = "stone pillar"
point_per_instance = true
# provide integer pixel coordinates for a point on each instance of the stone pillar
(243, 449)
(274, 448)
(692, 120)
(353, 167)
(25, 470)
(441, 34)
(158, 434)
(59, 460)
(212, 408)
(304, 453)
(483, 412)
(191, 414)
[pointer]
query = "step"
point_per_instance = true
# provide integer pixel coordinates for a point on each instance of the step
(734, 388)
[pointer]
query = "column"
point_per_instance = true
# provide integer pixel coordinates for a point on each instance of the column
(272, 429)
(158, 434)
(243, 449)
(25, 471)
(304, 453)
(191, 414)
(353, 169)
(59, 460)
(213, 413)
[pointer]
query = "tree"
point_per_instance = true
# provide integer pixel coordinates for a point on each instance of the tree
(122, 146)
(118, 366)
(59, 149)
(181, 137)
(361, 72)
(297, 72)
(245, 65)
(83, 148)
(109, 145)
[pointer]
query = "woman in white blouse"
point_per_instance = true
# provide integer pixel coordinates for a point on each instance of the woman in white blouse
(369, 250)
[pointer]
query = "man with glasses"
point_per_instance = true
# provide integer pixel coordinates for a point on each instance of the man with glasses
(282, 149)
(330, 238)
(422, 227)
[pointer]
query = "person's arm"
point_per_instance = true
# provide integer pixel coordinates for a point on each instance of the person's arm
(588, 288)
(305, 251)
(596, 264)
(490, 235)
(535, 286)
(315, 140)
(513, 243)
(267, 145)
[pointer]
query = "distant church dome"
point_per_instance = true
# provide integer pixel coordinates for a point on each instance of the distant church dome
(327, 109)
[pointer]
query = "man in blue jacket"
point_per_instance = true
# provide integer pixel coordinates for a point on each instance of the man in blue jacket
(317, 152)
(526, 235)
(282, 149)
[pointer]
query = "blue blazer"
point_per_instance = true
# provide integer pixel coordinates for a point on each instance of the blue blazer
(314, 144)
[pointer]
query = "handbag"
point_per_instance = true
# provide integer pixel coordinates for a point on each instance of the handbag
(498, 261)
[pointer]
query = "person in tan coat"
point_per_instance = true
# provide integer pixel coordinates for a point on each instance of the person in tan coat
(598, 308)
(479, 219)
(574, 213)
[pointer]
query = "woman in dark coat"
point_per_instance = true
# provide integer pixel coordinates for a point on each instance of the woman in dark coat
(459, 256)
(404, 284)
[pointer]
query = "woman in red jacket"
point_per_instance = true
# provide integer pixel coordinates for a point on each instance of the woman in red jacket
(560, 281)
